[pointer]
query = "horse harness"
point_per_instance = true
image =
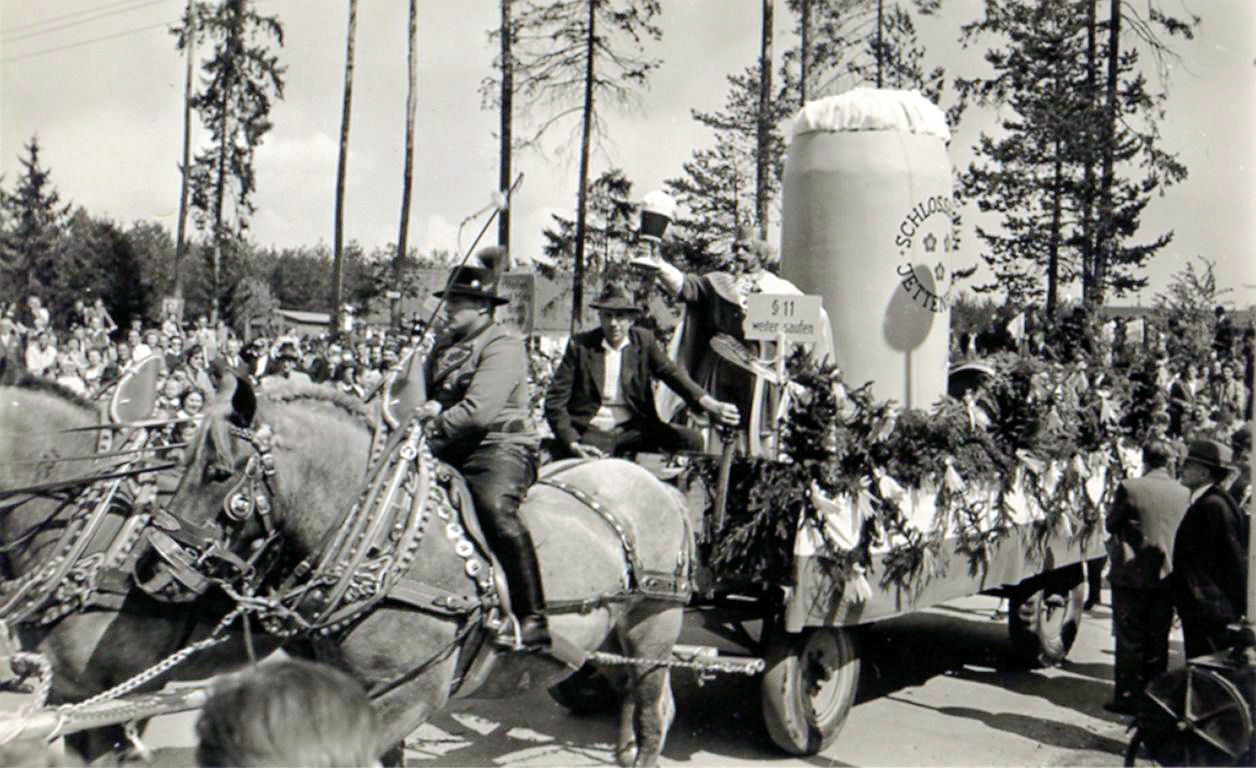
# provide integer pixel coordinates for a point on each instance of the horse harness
(364, 560)
(674, 585)
(93, 560)
(198, 555)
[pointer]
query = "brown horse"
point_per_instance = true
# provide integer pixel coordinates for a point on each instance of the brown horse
(95, 649)
(412, 659)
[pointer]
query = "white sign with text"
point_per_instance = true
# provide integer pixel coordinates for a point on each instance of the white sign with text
(769, 316)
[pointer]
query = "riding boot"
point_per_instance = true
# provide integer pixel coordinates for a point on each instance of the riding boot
(523, 575)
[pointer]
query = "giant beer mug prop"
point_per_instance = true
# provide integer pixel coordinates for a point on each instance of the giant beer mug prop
(868, 213)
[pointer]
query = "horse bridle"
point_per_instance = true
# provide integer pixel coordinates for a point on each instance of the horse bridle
(202, 554)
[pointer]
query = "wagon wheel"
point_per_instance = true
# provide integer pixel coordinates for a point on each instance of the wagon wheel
(586, 692)
(809, 687)
(1043, 624)
(1195, 716)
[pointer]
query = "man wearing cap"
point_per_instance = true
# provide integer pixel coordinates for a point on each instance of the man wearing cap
(601, 399)
(289, 358)
(1142, 523)
(478, 420)
(1209, 557)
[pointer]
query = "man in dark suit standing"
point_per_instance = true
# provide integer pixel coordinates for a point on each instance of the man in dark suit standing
(1209, 558)
(601, 399)
(1142, 523)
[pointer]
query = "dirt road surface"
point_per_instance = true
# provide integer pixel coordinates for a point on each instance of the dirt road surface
(937, 688)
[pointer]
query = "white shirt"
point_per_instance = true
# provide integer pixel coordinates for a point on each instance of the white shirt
(613, 411)
(1200, 491)
(39, 360)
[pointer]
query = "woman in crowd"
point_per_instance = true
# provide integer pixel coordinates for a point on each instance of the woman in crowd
(94, 370)
(75, 351)
(197, 365)
(66, 373)
(97, 334)
(347, 380)
(102, 315)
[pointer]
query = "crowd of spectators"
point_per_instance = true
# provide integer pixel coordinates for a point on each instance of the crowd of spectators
(86, 352)
(1179, 392)
(1176, 390)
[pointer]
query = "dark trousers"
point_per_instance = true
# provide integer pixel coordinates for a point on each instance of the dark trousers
(1141, 619)
(1201, 638)
(643, 437)
(1094, 579)
(498, 477)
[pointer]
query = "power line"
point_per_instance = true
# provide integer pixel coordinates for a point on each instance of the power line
(89, 41)
(82, 43)
(99, 12)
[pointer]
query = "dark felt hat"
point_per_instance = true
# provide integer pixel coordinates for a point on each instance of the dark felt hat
(473, 282)
(615, 298)
(1210, 453)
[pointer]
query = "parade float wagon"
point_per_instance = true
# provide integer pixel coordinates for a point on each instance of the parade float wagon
(871, 501)
(859, 492)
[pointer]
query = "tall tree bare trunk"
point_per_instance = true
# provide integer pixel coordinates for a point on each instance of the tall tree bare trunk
(220, 184)
(1057, 188)
(582, 200)
(338, 267)
(880, 44)
(1088, 184)
(506, 126)
(804, 24)
(762, 166)
(407, 173)
(180, 238)
(1107, 229)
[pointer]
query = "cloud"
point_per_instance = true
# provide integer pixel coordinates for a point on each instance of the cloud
(436, 233)
(528, 233)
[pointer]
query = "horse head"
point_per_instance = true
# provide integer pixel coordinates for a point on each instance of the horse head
(219, 523)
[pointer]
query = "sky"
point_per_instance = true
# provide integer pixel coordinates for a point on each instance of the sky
(101, 85)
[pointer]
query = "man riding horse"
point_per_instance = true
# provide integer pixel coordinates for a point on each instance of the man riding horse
(479, 422)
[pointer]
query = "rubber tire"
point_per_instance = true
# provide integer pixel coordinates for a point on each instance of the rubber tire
(586, 692)
(785, 695)
(1041, 635)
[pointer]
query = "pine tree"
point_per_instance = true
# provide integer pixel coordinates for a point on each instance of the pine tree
(575, 57)
(854, 42)
(34, 219)
(240, 80)
(1038, 174)
(1026, 174)
(717, 194)
(609, 231)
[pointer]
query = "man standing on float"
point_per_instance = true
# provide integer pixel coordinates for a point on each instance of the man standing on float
(715, 304)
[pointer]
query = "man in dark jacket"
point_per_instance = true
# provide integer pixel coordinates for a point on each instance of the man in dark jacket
(601, 399)
(1209, 553)
(478, 420)
(1142, 524)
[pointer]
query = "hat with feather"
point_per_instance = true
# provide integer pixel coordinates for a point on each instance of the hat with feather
(479, 281)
